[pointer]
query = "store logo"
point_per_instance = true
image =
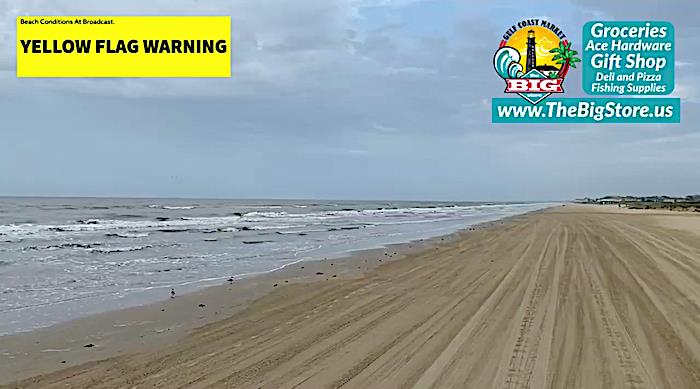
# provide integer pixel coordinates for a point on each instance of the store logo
(534, 58)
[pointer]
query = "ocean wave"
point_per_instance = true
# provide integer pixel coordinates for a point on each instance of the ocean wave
(110, 250)
(171, 207)
(277, 220)
(114, 226)
(130, 216)
(266, 214)
(67, 245)
(171, 230)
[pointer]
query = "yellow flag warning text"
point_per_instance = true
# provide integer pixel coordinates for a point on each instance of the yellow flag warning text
(124, 46)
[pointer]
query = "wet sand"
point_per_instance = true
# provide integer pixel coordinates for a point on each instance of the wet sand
(573, 297)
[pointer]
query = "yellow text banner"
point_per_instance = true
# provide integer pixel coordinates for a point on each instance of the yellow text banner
(124, 46)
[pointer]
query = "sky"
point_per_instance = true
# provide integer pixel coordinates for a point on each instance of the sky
(338, 99)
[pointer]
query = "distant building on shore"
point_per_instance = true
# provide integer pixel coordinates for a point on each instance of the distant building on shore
(613, 200)
(610, 200)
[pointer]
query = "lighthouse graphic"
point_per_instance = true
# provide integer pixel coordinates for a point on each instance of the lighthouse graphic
(527, 60)
(531, 62)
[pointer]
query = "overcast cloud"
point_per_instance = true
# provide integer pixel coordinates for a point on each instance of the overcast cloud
(361, 99)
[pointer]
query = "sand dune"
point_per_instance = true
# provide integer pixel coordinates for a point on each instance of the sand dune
(577, 297)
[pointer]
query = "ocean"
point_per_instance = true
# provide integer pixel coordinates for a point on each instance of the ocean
(64, 258)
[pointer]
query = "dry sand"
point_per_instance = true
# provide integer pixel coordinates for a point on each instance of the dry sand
(575, 297)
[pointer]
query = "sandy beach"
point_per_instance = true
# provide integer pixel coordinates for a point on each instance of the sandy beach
(571, 297)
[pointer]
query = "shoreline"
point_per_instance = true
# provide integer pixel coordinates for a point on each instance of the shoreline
(147, 282)
(162, 323)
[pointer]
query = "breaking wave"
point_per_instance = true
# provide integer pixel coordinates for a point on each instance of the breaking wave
(346, 218)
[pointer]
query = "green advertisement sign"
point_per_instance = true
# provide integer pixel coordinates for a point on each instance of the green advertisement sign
(628, 58)
(627, 67)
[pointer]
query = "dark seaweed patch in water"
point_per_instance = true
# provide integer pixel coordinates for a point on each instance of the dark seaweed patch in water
(162, 218)
(76, 245)
(173, 230)
(346, 228)
(128, 235)
(167, 270)
(88, 222)
(256, 241)
(290, 233)
(64, 246)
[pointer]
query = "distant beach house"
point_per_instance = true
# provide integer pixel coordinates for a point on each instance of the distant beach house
(610, 200)
(625, 200)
